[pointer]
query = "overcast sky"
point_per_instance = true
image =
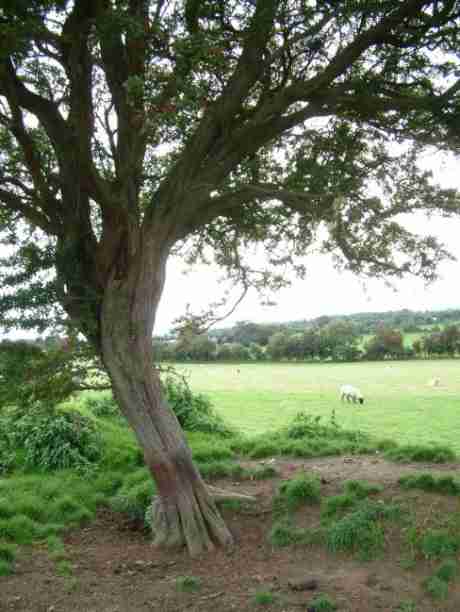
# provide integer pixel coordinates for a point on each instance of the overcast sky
(324, 290)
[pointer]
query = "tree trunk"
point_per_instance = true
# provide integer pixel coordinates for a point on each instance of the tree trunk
(184, 513)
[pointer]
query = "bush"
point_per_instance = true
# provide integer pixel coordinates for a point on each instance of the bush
(194, 411)
(54, 439)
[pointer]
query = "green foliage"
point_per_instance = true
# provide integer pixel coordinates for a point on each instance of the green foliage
(7, 552)
(6, 568)
(54, 439)
(194, 411)
(135, 495)
(448, 570)
(322, 603)
(418, 452)
(437, 588)
(20, 529)
(447, 485)
(187, 584)
(103, 406)
(362, 488)
(296, 492)
(284, 533)
(337, 504)
(68, 509)
(264, 598)
(438, 544)
(361, 531)
(407, 606)
(30, 374)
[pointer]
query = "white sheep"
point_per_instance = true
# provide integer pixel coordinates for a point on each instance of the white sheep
(351, 394)
(434, 382)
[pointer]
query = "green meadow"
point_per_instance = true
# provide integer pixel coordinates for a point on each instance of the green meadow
(399, 403)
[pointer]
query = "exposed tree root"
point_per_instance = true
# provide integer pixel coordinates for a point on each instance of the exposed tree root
(192, 520)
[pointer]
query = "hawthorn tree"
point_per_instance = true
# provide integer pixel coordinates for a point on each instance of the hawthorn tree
(133, 128)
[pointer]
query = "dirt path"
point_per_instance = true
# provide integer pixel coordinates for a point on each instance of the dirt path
(111, 566)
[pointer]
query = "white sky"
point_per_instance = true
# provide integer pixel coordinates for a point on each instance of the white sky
(325, 291)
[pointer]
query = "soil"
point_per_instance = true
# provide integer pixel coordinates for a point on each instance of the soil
(113, 568)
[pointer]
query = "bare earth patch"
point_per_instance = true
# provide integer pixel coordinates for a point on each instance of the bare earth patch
(113, 568)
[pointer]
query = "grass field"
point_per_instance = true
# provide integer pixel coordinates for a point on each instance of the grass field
(399, 402)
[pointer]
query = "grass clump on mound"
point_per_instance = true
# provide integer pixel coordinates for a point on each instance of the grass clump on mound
(306, 436)
(361, 530)
(446, 485)
(417, 452)
(296, 492)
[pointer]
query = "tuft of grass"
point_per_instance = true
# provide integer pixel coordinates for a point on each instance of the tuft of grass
(264, 598)
(418, 452)
(361, 488)
(336, 504)
(437, 588)
(448, 570)
(6, 568)
(407, 606)
(135, 496)
(361, 531)
(7, 509)
(55, 547)
(296, 492)
(20, 529)
(446, 485)
(64, 568)
(284, 533)
(7, 552)
(438, 544)
(322, 603)
(70, 510)
(187, 584)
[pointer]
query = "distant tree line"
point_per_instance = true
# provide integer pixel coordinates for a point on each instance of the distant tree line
(370, 336)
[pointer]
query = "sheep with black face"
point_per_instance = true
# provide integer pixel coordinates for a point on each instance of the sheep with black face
(351, 394)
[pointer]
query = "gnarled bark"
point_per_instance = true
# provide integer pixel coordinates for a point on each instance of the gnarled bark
(184, 512)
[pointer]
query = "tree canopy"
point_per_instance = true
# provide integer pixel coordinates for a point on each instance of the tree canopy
(221, 122)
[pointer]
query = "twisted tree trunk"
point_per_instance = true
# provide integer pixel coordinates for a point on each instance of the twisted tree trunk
(184, 511)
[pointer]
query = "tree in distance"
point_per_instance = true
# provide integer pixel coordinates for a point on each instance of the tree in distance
(134, 129)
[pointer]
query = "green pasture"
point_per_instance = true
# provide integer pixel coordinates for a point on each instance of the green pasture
(399, 403)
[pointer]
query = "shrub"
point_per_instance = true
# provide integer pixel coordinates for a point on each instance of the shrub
(54, 439)
(194, 411)
(70, 510)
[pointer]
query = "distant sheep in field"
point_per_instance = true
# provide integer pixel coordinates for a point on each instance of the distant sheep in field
(351, 394)
(434, 382)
